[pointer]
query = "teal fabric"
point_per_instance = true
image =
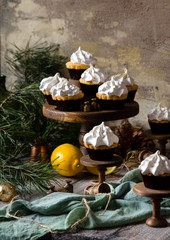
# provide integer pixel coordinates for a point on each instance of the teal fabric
(60, 210)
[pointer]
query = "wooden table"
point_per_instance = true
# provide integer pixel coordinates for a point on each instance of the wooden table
(156, 197)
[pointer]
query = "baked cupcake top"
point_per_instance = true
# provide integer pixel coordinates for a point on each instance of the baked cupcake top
(159, 113)
(100, 135)
(155, 164)
(124, 77)
(93, 75)
(83, 57)
(64, 88)
(113, 88)
(47, 83)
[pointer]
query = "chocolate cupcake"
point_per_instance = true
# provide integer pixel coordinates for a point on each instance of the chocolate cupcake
(90, 80)
(129, 82)
(155, 171)
(46, 84)
(112, 95)
(159, 120)
(100, 143)
(79, 62)
(66, 96)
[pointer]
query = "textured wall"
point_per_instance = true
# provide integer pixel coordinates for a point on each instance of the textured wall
(135, 32)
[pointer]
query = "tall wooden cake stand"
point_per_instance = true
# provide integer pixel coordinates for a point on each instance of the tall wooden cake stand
(89, 119)
(156, 197)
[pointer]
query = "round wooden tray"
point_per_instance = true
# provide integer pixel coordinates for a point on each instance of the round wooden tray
(129, 110)
(156, 197)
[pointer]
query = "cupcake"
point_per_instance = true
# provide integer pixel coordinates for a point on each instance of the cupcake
(159, 120)
(100, 142)
(90, 80)
(129, 82)
(155, 171)
(79, 62)
(46, 84)
(66, 96)
(112, 95)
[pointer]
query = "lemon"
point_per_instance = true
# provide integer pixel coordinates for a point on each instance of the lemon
(66, 160)
(94, 171)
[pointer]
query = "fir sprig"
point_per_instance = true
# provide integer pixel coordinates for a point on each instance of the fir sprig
(22, 122)
(26, 177)
(34, 62)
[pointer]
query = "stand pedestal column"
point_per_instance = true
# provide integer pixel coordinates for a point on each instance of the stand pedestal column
(156, 220)
(156, 197)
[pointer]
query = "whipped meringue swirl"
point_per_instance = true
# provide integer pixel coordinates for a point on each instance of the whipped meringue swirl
(83, 57)
(100, 135)
(94, 75)
(113, 87)
(64, 88)
(159, 113)
(47, 83)
(155, 164)
(124, 77)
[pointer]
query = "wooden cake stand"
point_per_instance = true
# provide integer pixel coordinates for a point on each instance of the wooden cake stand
(161, 138)
(89, 119)
(101, 168)
(156, 197)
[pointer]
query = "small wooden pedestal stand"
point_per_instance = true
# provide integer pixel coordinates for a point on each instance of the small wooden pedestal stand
(101, 166)
(156, 197)
(161, 138)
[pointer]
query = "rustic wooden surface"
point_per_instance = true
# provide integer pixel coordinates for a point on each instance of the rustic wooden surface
(131, 232)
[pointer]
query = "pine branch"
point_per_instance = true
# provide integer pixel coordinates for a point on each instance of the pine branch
(26, 177)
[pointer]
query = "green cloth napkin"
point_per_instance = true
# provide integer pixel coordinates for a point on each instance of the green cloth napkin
(60, 210)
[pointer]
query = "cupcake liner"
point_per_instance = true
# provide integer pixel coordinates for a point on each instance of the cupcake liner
(89, 90)
(75, 73)
(159, 128)
(157, 182)
(49, 99)
(131, 96)
(101, 155)
(68, 105)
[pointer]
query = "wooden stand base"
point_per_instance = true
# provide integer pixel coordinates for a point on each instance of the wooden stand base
(156, 197)
(101, 167)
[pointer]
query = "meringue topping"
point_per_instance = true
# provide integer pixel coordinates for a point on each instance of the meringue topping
(94, 75)
(83, 57)
(155, 164)
(113, 87)
(124, 77)
(47, 83)
(100, 135)
(159, 113)
(64, 88)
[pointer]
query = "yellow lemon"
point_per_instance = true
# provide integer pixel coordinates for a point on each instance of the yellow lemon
(94, 171)
(66, 160)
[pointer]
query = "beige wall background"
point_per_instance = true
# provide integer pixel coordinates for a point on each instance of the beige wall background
(117, 32)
